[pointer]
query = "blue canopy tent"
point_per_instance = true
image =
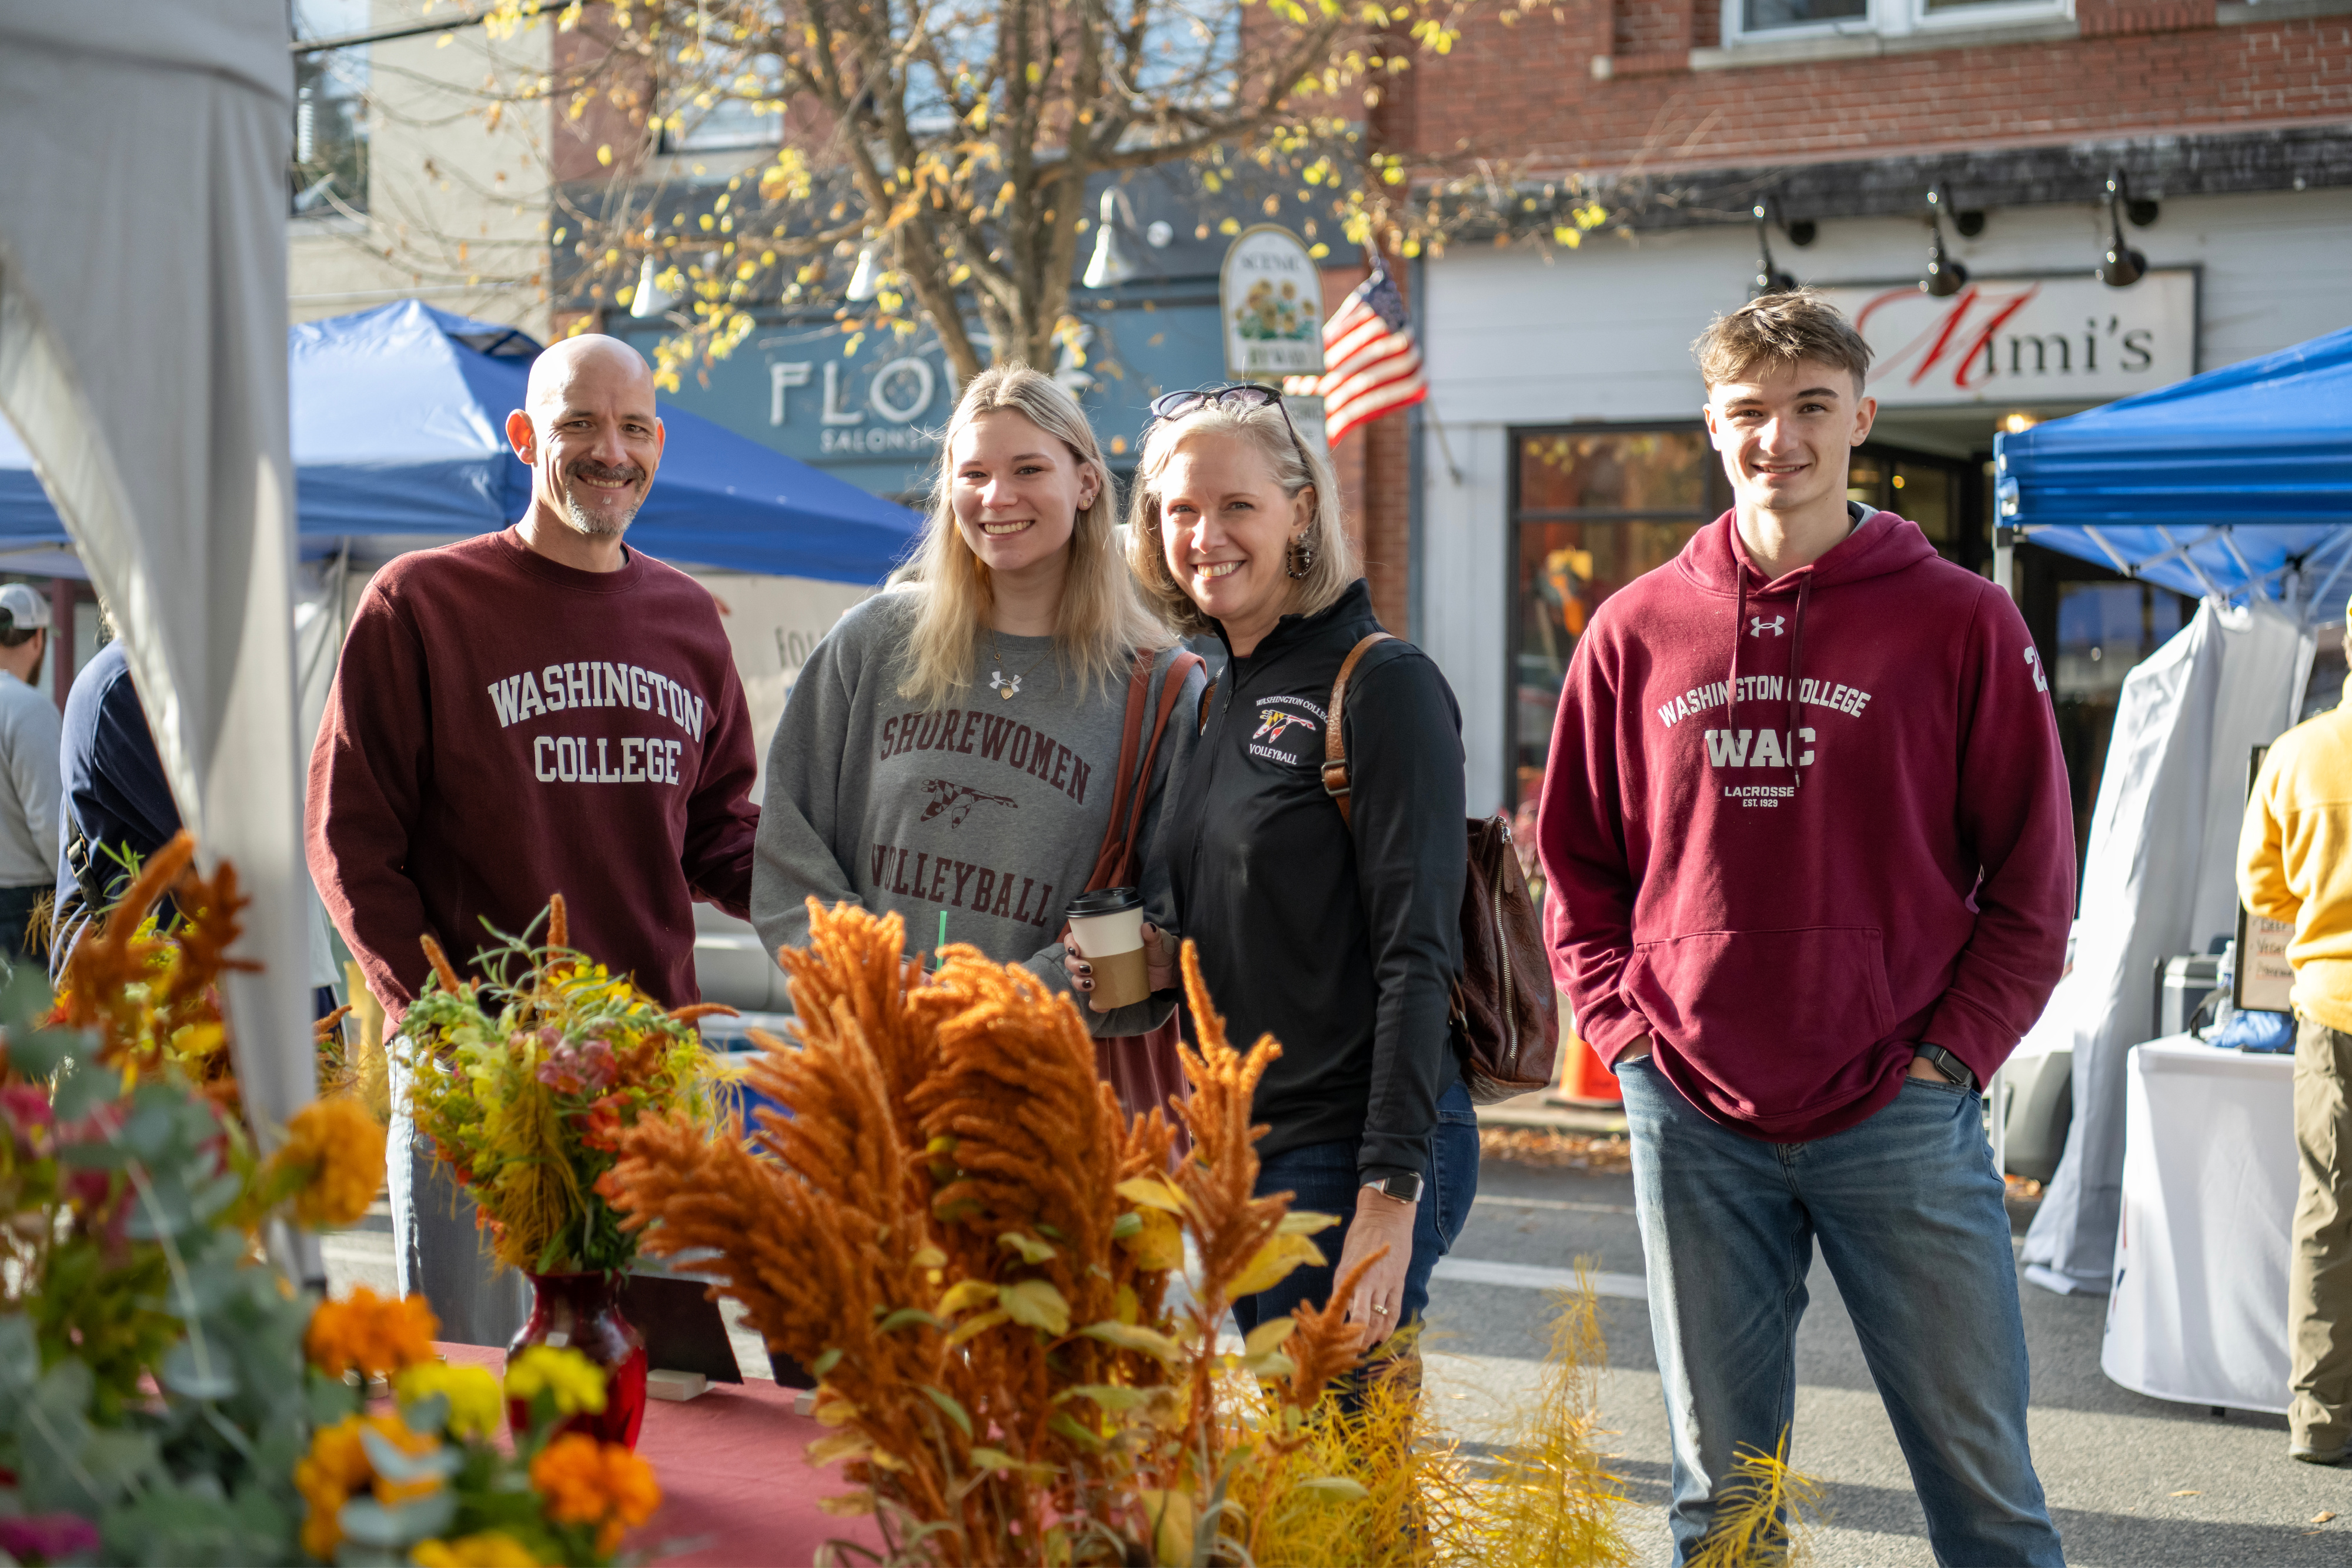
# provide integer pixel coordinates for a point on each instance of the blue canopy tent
(399, 418)
(2235, 487)
(2236, 483)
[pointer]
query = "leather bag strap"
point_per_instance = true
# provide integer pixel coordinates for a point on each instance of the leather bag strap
(1336, 781)
(1118, 853)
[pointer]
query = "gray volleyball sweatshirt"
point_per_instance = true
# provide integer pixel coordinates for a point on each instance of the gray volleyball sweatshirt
(990, 811)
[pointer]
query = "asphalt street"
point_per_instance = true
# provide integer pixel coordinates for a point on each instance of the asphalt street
(2134, 1482)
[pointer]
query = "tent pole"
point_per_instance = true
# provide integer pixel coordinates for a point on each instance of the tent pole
(2004, 559)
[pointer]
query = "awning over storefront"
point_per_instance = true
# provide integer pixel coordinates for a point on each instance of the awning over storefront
(2236, 482)
(399, 418)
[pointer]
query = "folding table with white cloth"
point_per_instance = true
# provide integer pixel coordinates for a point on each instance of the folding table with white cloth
(2197, 1312)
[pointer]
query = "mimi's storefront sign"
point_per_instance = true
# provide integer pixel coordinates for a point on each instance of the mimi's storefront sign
(2067, 339)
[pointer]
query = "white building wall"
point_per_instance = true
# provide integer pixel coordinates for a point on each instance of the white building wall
(1602, 334)
(457, 208)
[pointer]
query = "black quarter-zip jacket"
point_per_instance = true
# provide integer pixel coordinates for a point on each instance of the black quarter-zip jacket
(1342, 945)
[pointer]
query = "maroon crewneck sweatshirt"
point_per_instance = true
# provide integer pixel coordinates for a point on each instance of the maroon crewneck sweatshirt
(503, 727)
(1793, 829)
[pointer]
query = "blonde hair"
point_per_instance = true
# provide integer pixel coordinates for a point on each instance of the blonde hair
(1101, 623)
(1295, 466)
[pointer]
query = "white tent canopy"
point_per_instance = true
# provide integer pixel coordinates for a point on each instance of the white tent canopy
(142, 360)
(2159, 879)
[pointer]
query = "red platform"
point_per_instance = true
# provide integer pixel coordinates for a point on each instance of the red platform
(737, 1486)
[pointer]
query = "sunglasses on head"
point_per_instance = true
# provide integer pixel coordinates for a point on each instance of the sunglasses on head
(1175, 405)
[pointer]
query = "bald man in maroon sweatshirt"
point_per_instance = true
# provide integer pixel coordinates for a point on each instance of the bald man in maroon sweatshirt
(536, 711)
(1811, 863)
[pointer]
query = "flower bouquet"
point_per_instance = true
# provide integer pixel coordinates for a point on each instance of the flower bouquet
(166, 1395)
(422, 1481)
(525, 1085)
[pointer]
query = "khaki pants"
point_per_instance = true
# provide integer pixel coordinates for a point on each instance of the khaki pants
(2319, 1273)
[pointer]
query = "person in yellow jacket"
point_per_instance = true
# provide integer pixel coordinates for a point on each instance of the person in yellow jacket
(2294, 866)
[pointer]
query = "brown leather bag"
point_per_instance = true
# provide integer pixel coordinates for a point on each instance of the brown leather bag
(1506, 1014)
(1143, 1069)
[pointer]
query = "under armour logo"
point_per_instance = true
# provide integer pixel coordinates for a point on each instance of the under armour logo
(2033, 661)
(1758, 626)
(998, 678)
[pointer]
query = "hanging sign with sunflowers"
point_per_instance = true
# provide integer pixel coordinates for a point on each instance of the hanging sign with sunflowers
(1271, 297)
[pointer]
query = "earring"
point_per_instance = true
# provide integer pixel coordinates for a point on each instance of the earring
(1299, 559)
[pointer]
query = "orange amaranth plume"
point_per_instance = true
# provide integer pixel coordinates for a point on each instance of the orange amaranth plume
(440, 962)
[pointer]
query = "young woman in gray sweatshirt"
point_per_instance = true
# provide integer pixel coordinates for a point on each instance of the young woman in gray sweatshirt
(952, 747)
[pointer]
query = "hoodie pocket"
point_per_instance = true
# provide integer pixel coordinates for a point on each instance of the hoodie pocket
(1719, 997)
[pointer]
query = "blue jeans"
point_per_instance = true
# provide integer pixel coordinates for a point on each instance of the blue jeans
(1321, 1177)
(1907, 1208)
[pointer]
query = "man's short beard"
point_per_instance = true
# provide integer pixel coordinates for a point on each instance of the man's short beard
(594, 526)
(588, 522)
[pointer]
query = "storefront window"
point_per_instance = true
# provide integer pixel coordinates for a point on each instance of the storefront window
(1594, 510)
(1933, 492)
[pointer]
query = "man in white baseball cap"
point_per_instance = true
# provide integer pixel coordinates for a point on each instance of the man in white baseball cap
(28, 771)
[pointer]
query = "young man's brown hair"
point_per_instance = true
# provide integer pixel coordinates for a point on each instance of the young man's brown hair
(1780, 328)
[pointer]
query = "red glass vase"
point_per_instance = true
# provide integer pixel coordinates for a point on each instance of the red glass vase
(583, 1312)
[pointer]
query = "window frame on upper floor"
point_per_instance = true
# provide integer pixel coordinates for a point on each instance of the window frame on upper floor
(1890, 19)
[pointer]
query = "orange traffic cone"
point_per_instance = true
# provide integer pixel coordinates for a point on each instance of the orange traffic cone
(1582, 1077)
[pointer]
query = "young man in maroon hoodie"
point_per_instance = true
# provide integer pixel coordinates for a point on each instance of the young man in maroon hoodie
(1812, 865)
(535, 711)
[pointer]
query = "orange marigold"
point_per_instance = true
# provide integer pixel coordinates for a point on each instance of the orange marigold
(585, 1481)
(337, 1465)
(368, 1334)
(340, 1146)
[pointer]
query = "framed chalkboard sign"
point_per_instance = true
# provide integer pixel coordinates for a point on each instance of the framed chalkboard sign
(2263, 977)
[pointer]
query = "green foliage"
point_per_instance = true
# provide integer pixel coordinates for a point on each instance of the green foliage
(124, 1266)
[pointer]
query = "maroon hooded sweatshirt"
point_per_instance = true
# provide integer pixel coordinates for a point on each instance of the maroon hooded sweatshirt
(1795, 827)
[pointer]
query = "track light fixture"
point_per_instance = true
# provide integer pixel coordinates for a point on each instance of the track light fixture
(1945, 277)
(1109, 266)
(2122, 266)
(866, 282)
(650, 299)
(1769, 279)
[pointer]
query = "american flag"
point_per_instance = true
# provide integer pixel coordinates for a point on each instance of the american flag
(1373, 363)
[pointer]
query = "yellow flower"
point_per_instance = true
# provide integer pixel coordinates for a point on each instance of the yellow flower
(585, 1481)
(475, 1401)
(339, 1144)
(576, 1381)
(490, 1549)
(366, 1332)
(337, 1465)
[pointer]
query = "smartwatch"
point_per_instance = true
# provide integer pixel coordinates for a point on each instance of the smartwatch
(1945, 1063)
(1405, 1188)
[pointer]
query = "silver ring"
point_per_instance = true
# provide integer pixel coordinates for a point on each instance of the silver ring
(1380, 1308)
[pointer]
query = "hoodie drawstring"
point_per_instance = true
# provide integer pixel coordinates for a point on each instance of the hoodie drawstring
(1795, 659)
(1738, 621)
(1797, 669)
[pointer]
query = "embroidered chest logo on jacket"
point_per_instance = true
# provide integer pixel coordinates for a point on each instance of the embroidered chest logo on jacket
(1289, 730)
(1758, 626)
(1272, 722)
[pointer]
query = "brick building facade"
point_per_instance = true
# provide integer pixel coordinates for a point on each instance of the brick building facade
(1561, 452)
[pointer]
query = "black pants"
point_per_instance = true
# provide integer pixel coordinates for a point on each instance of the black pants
(16, 906)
